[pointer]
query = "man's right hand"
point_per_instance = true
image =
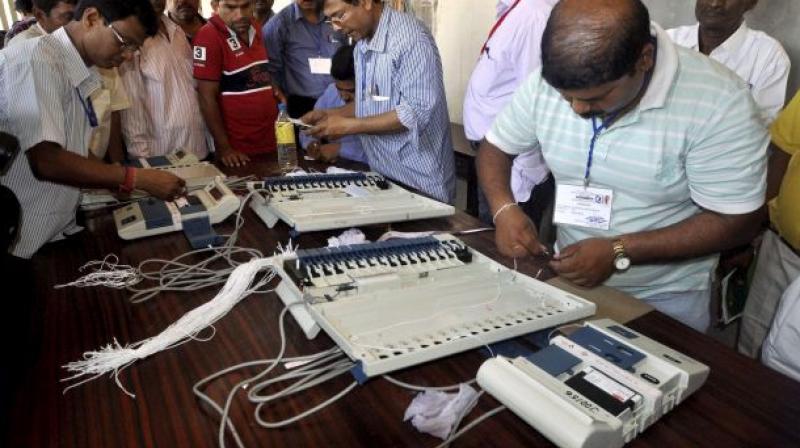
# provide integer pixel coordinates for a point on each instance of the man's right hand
(516, 236)
(232, 158)
(161, 184)
(314, 117)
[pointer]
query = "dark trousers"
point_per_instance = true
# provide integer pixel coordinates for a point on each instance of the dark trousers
(19, 346)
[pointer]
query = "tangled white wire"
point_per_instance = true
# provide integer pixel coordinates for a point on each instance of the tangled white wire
(106, 272)
(113, 358)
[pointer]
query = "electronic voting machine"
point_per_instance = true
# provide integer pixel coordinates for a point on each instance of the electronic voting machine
(194, 214)
(397, 303)
(196, 174)
(598, 387)
(330, 201)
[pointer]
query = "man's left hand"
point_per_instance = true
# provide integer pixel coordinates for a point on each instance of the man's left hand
(331, 127)
(587, 263)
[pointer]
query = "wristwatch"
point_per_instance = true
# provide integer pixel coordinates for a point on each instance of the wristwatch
(621, 260)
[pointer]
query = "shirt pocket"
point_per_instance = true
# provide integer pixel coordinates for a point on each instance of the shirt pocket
(495, 75)
(380, 91)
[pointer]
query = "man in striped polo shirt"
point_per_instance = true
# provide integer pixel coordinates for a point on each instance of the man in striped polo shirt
(46, 87)
(658, 154)
(400, 111)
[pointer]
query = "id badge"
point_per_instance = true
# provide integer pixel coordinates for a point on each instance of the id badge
(580, 206)
(320, 66)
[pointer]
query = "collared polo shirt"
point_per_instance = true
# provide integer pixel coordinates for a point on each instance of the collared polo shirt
(695, 141)
(43, 83)
(784, 210)
(248, 105)
(164, 115)
(757, 58)
(399, 69)
(291, 40)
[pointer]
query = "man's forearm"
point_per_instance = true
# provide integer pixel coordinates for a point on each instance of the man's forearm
(385, 123)
(116, 147)
(494, 175)
(52, 163)
(209, 108)
(346, 111)
(698, 236)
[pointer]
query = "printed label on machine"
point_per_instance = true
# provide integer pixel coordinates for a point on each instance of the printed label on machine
(608, 385)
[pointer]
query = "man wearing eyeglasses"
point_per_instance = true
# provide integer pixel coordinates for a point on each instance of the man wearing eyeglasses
(339, 93)
(400, 110)
(163, 115)
(107, 101)
(237, 97)
(46, 88)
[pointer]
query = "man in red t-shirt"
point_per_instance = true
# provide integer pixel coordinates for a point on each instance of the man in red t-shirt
(237, 99)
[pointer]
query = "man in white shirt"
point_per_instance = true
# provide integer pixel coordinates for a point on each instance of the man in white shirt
(108, 101)
(46, 88)
(722, 34)
(164, 115)
(511, 53)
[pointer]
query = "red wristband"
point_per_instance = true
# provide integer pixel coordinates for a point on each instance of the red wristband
(130, 180)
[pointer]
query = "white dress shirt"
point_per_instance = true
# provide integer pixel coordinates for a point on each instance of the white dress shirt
(780, 349)
(45, 91)
(512, 53)
(757, 58)
(165, 114)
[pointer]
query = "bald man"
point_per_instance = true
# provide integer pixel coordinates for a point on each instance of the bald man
(658, 155)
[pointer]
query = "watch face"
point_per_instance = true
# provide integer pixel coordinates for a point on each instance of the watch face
(622, 263)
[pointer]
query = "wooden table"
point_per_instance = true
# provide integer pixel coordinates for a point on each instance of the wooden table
(742, 404)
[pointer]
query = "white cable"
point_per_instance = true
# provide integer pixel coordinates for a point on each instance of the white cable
(114, 357)
(471, 425)
(319, 368)
(418, 388)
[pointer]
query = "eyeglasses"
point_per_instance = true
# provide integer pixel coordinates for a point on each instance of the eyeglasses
(124, 45)
(340, 16)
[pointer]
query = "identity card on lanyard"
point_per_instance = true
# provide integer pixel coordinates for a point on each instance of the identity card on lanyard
(584, 205)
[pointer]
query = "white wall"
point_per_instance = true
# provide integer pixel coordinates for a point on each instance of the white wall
(461, 29)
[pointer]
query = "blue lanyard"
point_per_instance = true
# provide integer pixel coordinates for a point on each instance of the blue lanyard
(596, 133)
(88, 108)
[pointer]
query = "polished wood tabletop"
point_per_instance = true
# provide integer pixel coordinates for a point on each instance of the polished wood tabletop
(742, 404)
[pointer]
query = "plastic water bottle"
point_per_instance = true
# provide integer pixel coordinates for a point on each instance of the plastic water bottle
(284, 135)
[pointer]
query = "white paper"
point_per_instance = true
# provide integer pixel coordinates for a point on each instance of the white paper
(320, 66)
(581, 206)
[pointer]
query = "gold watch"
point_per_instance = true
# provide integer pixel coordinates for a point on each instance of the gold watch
(621, 260)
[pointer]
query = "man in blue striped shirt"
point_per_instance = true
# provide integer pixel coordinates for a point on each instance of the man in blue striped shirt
(400, 111)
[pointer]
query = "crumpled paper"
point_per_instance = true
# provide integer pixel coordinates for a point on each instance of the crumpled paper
(435, 412)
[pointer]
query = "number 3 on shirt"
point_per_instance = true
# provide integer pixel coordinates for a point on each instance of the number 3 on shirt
(199, 53)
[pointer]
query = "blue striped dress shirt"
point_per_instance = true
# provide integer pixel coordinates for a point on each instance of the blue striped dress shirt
(400, 69)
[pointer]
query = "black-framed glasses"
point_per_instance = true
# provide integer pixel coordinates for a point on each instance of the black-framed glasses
(124, 45)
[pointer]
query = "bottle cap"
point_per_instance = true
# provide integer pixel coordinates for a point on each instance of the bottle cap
(281, 107)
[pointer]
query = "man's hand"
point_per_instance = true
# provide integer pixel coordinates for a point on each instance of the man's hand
(516, 235)
(587, 263)
(328, 153)
(279, 95)
(331, 127)
(161, 184)
(314, 117)
(232, 158)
